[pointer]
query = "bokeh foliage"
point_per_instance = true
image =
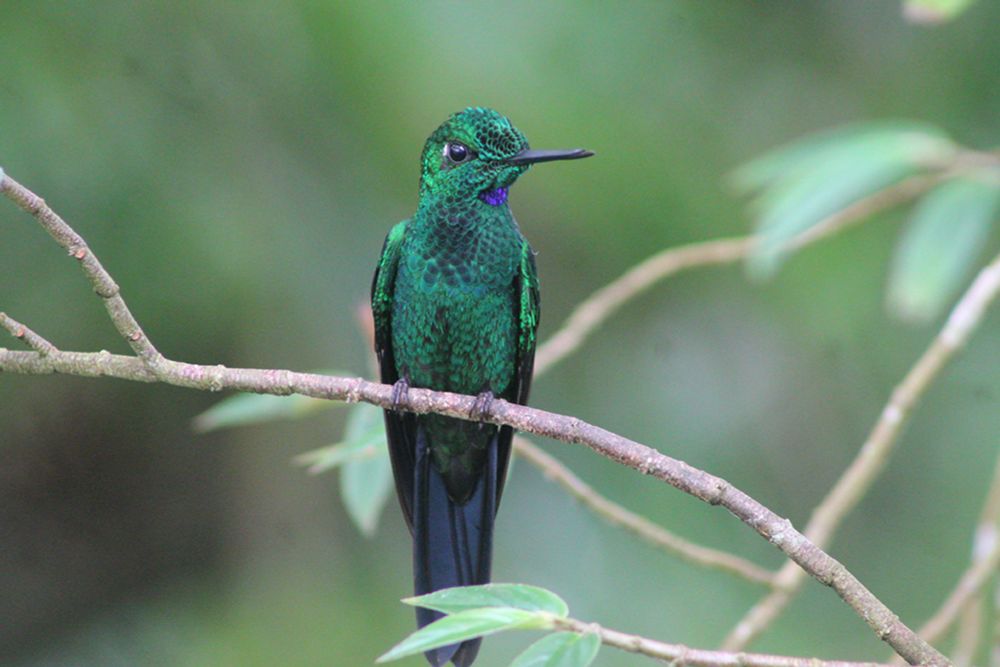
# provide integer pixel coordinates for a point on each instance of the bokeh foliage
(236, 169)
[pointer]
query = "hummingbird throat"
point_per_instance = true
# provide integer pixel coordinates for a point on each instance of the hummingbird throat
(494, 197)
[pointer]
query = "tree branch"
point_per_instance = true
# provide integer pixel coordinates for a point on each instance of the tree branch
(698, 483)
(151, 366)
(986, 537)
(103, 284)
(994, 652)
(30, 338)
(682, 656)
(596, 308)
(965, 599)
(875, 452)
(969, 585)
(617, 515)
(600, 305)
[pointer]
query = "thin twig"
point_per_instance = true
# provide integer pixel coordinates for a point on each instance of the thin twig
(994, 654)
(965, 599)
(30, 338)
(596, 308)
(679, 655)
(987, 535)
(894, 195)
(617, 515)
(968, 633)
(103, 284)
(969, 585)
(874, 454)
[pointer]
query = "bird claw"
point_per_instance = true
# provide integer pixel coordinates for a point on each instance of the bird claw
(400, 391)
(481, 407)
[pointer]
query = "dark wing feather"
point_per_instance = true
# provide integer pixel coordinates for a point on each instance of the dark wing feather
(526, 312)
(400, 428)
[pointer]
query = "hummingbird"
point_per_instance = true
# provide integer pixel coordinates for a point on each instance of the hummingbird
(456, 306)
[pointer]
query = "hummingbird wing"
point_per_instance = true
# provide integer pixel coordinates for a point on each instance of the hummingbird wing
(400, 428)
(527, 309)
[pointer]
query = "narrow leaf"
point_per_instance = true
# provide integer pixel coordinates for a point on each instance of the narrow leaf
(364, 438)
(940, 244)
(329, 457)
(244, 409)
(934, 11)
(365, 471)
(561, 649)
(517, 596)
(467, 625)
(365, 488)
(366, 481)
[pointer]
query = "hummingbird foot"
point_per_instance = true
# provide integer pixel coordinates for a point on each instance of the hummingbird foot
(400, 390)
(481, 407)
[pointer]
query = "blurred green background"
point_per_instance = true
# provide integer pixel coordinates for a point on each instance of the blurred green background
(236, 167)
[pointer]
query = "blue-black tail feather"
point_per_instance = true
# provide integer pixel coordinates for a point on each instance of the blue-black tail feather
(452, 543)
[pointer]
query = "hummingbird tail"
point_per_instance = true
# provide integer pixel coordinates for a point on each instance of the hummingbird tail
(452, 543)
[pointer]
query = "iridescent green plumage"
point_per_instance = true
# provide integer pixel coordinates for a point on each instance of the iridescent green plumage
(455, 302)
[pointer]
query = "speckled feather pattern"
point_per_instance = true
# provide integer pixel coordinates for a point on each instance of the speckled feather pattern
(458, 319)
(453, 311)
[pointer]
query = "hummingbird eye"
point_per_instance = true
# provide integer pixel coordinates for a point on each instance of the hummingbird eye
(457, 152)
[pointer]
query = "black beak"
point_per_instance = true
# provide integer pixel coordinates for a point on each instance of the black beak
(531, 157)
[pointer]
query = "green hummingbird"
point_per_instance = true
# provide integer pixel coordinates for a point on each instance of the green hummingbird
(455, 303)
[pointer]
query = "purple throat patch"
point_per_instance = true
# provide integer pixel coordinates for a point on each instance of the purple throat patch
(494, 197)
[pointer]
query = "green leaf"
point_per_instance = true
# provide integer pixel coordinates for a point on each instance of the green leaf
(244, 409)
(366, 481)
(517, 596)
(365, 471)
(561, 649)
(941, 242)
(804, 184)
(364, 438)
(934, 11)
(365, 488)
(790, 159)
(332, 456)
(467, 625)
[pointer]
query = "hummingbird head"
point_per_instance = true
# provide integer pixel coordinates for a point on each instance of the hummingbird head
(479, 153)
